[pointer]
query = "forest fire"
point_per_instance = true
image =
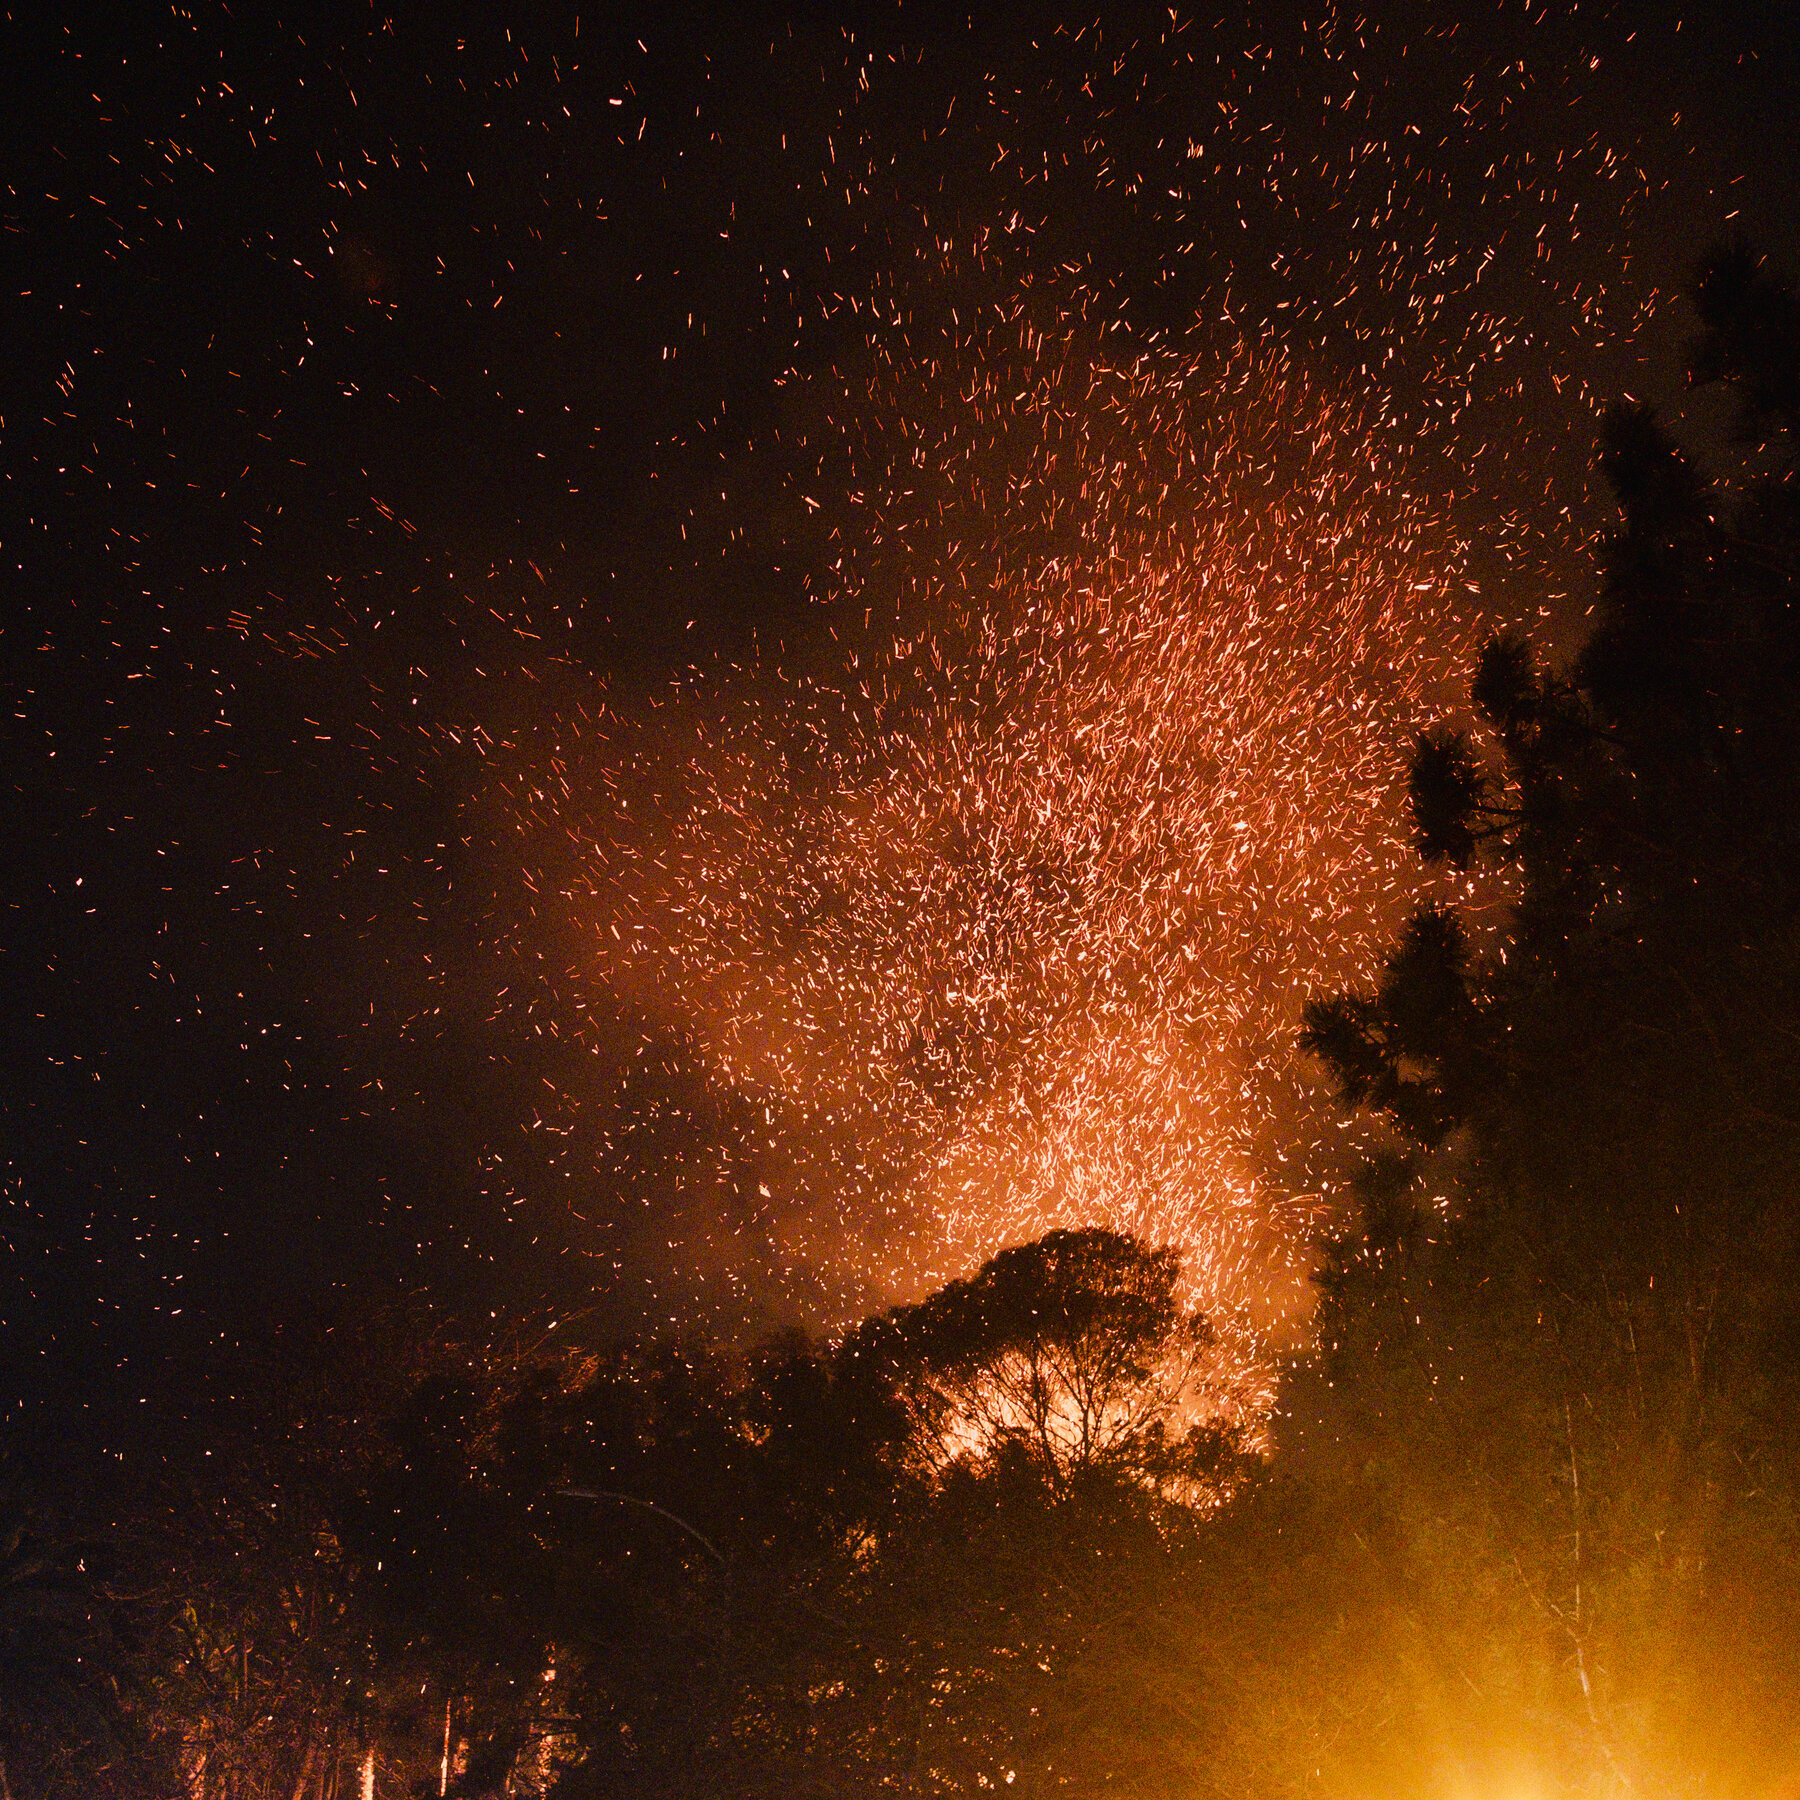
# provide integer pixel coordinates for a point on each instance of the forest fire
(901, 906)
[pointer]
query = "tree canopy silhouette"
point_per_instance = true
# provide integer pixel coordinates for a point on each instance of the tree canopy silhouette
(1560, 1339)
(1074, 1352)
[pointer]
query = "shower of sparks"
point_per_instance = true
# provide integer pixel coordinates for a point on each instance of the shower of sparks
(1002, 921)
(1004, 928)
(1080, 462)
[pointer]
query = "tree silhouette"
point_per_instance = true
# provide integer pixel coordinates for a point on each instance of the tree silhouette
(1075, 1352)
(1560, 1337)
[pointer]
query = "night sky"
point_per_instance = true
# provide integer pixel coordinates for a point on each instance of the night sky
(679, 671)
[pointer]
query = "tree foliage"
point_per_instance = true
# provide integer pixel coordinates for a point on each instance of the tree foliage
(1074, 1353)
(1561, 1337)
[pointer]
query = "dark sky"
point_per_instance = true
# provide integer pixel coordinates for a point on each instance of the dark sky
(386, 391)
